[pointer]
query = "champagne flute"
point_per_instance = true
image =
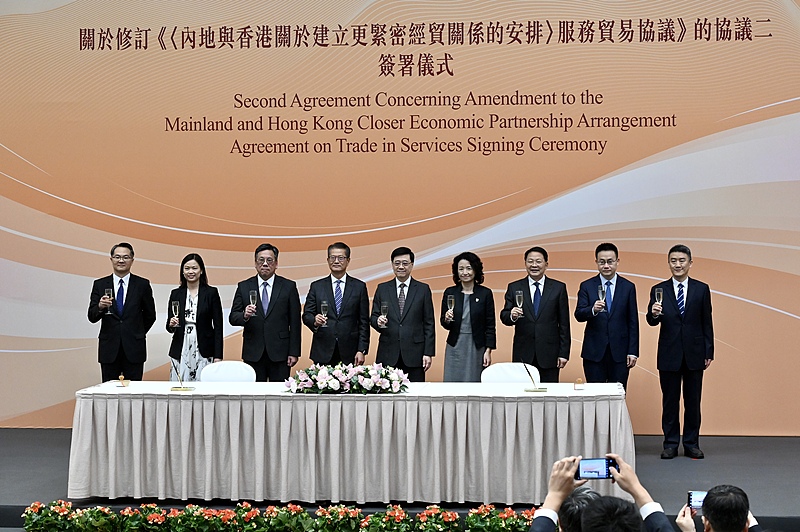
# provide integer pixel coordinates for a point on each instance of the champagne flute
(109, 293)
(384, 311)
(659, 293)
(519, 295)
(451, 302)
(253, 297)
(323, 309)
(601, 294)
(176, 308)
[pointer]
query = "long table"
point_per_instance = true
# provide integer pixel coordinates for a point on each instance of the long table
(439, 442)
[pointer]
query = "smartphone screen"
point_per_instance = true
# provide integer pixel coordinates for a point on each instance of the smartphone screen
(696, 499)
(595, 468)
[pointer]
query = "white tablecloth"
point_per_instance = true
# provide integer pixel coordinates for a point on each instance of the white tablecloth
(440, 442)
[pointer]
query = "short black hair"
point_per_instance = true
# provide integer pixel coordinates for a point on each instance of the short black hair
(266, 247)
(121, 245)
(606, 246)
(197, 258)
(680, 248)
(402, 250)
(569, 515)
(611, 514)
(725, 508)
(339, 245)
(474, 261)
(537, 249)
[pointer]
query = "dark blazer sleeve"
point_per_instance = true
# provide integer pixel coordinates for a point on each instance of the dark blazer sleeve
(563, 322)
(583, 310)
(148, 304)
(236, 317)
(310, 308)
(175, 296)
(294, 321)
(363, 319)
(491, 320)
(505, 314)
(449, 291)
(215, 309)
(429, 323)
(633, 321)
(95, 313)
(658, 522)
(543, 524)
(654, 320)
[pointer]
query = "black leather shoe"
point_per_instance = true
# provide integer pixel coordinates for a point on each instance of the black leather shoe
(669, 453)
(694, 452)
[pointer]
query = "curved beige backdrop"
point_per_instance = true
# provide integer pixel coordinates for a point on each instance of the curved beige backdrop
(91, 153)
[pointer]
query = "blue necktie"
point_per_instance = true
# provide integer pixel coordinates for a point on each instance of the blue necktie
(264, 298)
(608, 296)
(401, 297)
(537, 297)
(681, 303)
(337, 296)
(120, 297)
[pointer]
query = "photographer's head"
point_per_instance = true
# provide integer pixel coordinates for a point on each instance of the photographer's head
(569, 515)
(611, 514)
(725, 509)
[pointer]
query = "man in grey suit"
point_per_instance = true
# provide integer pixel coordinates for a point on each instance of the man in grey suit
(407, 333)
(611, 338)
(271, 337)
(682, 308)
(127, 315)
(540, 320)
(341, 331)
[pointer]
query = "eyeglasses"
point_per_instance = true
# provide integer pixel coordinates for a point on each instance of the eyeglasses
(610, 262)
(262, 260)
(404, 264)
(338, 258)
(123, 258)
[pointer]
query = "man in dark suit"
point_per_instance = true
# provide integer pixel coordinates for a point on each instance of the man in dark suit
(726, 508)
(407, 336)
(342, 333)
(271, 337)
(685, 350)
(541, 322)
(127, 315)
(603, 513)
(611, 337)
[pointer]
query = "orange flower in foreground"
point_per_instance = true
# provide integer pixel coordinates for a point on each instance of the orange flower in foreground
(155, 518)
(365, 522)
(295, 509)
(174, 512)
(422, 517)
(449, 517)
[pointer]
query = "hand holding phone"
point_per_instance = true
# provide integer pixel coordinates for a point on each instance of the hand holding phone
(696, 498)
(595, 468)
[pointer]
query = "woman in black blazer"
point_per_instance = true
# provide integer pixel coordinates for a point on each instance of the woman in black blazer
(195, 321)
(468, 313)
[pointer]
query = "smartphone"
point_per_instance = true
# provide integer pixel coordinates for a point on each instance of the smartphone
(595, 468)
(696, 499)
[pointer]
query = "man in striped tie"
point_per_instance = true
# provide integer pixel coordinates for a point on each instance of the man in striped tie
(337, 312)
(682, 308)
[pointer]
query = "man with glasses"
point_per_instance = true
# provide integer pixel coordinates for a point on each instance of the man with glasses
(271, 318)
(540, 318)
(337, 312)
(402, 313)
(124, 302)
(611, 337)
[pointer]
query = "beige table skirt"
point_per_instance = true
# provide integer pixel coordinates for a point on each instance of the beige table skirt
(440, 442)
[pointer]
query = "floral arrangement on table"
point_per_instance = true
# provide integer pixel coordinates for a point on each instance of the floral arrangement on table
(341, 378)
(394, 519)
(338, 518)
(434, 519)
(60, 516)
(487, 518)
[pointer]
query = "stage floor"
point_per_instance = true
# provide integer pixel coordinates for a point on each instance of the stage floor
(34, 466)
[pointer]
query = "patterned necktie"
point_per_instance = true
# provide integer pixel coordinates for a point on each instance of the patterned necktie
(681, 303)
(537, 297)
(608, 296)
(120, 297)
(401, 299)
(337, 296)
(264, 298)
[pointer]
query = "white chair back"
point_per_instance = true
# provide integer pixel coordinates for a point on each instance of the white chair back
(510, 372)
(228, 371)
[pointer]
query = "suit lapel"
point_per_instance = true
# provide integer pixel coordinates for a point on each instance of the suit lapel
(527, 303)
(276, 291)
(346, 293)
(329, 297)
(669, 296)
(411, 291)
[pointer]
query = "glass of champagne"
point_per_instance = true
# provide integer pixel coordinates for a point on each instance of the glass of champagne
(384, 311)
(451, 302)
(109, 293)
(323, 309)
(176, 308)
(519, 295)
(253, 297)
(601, 294)
(659, 293)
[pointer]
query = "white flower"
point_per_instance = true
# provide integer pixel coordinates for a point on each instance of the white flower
(334, 384)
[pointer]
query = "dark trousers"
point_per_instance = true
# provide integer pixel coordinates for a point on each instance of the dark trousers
(549, 374)
(671, 381)
(414, 374)
(607, 370)
(110, 371)
(268, 370)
